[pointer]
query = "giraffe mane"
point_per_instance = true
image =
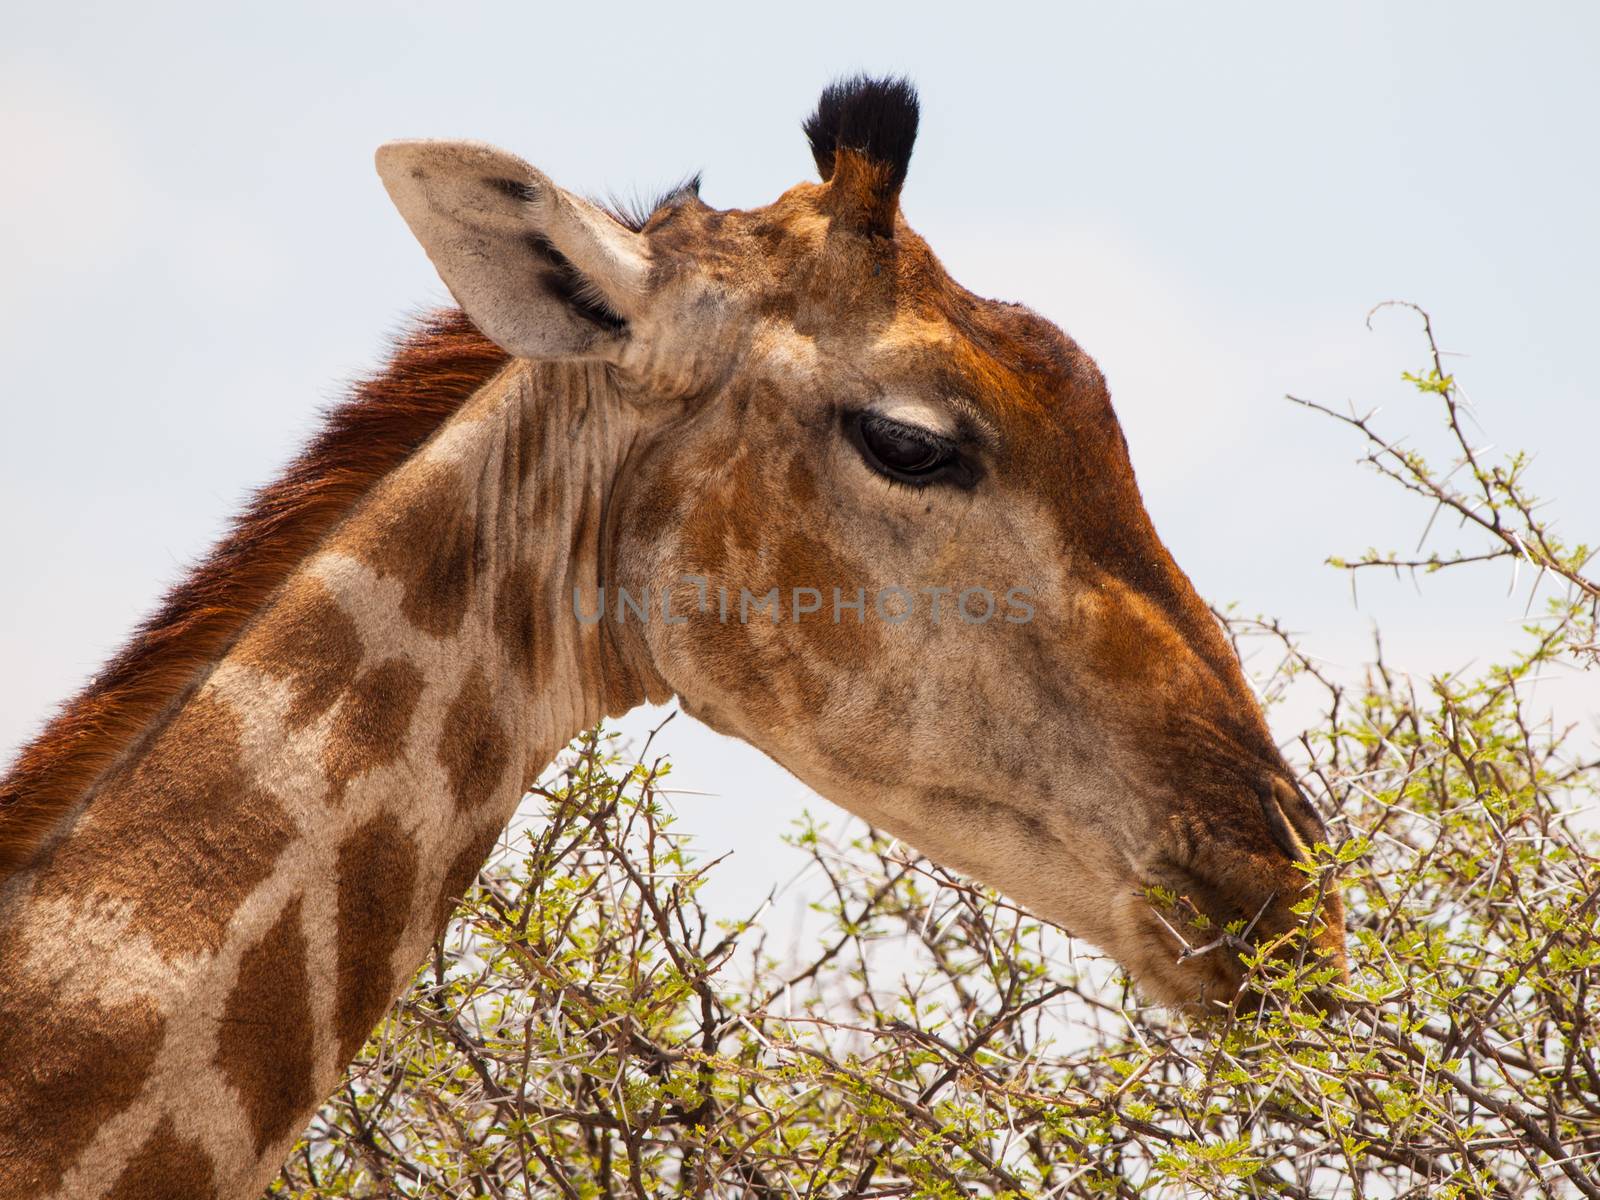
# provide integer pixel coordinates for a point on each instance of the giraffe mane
(434, 369)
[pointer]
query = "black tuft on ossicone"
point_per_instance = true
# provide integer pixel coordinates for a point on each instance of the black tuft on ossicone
(875, 117)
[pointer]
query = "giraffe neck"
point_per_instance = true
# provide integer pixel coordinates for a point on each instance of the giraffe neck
(206, 945)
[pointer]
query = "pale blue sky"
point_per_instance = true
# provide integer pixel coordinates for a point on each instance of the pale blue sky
(196, 251)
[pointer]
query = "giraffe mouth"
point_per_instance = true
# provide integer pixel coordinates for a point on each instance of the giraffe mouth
(1199, 939)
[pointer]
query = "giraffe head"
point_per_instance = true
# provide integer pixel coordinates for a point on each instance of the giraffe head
(888, 532)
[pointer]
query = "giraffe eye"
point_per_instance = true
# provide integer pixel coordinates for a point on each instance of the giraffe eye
(902, 452)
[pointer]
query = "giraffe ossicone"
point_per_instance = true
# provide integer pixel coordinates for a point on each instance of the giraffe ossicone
(221, 862)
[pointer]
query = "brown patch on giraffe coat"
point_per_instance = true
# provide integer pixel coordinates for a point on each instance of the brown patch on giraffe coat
(463, 869)
(520, 601)
(265, 1035)
(372, 724)
(534, 431)
(473, 746)
(180, 839)
(426, 534)
(810, 561)
(715, 529)
(310, 641)
(70, 1065)
(433, 371)
(377, 875)
(167, 1167)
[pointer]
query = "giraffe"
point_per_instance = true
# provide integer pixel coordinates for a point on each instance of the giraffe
(221, 862)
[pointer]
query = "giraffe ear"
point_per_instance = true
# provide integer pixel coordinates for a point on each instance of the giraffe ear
(543, 273)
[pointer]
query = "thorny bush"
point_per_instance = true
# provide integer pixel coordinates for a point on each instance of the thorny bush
(585, 1029)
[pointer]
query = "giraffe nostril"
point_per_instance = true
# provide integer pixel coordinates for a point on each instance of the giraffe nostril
(1278, 821)
(1294, 824)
